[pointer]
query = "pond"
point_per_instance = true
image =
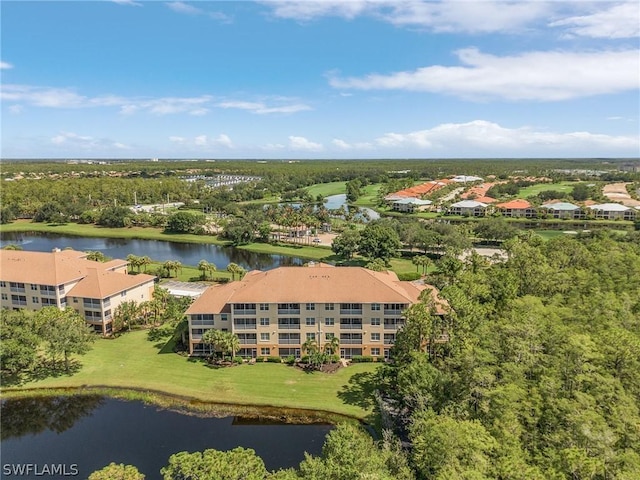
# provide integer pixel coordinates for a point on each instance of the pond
(185, 253)
(333, 202)
(91, 431)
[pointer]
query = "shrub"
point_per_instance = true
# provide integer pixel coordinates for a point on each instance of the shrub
(220, 279)
(273, 359)
(408, 276)
(290, 360)
(305, 359)
(238, 359)
(362, 359)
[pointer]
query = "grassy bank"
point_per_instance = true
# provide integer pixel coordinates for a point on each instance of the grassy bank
(133, 362)
(326, 189)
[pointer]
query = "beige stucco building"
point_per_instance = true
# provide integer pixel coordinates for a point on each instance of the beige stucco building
(274, 312)
(65, 278)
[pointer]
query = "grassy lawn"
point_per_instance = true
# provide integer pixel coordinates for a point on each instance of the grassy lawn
(369, 197)
(564, 187)
(326, 189)
(132, 361)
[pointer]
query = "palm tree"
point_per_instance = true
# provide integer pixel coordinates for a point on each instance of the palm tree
(145, 261)
(332, 346)
(134, 261)
(233, 268)
(213, 338)
(95, 256)
(203, 266)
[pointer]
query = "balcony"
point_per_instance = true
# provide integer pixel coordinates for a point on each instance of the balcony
(244, 312)
(350, 341)
(350, 326)
(248, 341)
(392, 311)
(351, 311)
(389, 341)
(393, 326)
(244, 326)
(196, 336)
(20, 303)
(17, 290)
(48, 293)
(289, 326)
(289, 341)
(288, 311)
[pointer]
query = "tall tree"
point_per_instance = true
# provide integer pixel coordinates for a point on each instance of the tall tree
(64, 332)
(379, 241)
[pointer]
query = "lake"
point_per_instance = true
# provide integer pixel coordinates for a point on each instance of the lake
(91, 431)
(185, 253)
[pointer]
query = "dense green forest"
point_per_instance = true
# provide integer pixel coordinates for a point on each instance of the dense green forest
(534, 374)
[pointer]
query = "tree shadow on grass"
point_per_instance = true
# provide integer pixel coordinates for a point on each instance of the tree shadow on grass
(43, 370)
(359, 391)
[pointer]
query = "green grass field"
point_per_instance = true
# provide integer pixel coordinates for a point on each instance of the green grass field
(132, 361)
(369, 197)
(564, 187)
(326, 189)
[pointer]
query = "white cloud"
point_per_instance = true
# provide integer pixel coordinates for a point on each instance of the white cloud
(130, 3)
(301, 143)
(618, 21)
(342, 145)
(443, 16)
(16, 109)
(185, 8)
(85, 143)
(5, 66)
(543, 76)
(483, 136)
(203, 141)
(262, 109)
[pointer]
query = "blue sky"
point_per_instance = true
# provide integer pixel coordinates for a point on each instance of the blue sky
(320, 79)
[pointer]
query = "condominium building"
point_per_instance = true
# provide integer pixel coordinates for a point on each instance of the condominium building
(33, 280)
(275, 312)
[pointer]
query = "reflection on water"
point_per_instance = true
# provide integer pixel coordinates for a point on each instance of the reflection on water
(92, 432)
(185, 253)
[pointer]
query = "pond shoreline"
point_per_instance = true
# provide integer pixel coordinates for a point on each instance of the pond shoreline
(188, 405)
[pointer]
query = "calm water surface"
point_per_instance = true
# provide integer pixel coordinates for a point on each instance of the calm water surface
(185, 253)
(93, 431)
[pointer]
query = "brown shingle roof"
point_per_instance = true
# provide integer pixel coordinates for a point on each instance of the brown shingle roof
(95, 279)
(318, 284)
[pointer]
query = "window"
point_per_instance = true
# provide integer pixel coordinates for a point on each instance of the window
(244, 323)
(244, 308)
(310, 321)
(75, 299)
(202, 319)
(123, 293)
(264, 307)
(289, 338)
(375, 352)
(328, 336)
(375, 307)
(311, 306)
(329, 321)
(329, 306)
(247, 338)
(265, 337)
(264, 321)
(224, 317)
(351, 323)
(107, 314)
(34, 286)
(5, 297)
(61, 288)
(91, 302)
(3, 284)
(375, 321)
(375, 337)
(35, 299)
(311, 336)
(49, 301)
(289, 323)
(265, 351)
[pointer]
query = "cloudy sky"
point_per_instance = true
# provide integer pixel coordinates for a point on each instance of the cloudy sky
(320, 79)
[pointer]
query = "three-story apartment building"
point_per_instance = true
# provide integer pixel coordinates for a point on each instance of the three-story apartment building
(275, 312)
(65, 278)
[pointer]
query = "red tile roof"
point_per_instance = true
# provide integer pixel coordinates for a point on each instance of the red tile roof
(517, 204)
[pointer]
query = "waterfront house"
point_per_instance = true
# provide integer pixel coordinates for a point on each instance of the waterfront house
(65, 278)
(274, 312)
(613, 211)
(564, 210)
(469, 208)
(410, 205)
(517, 208)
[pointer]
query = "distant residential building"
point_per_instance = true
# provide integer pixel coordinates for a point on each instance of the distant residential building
(466, 179)
(274, 312)
(65, 278)
(564, 210)
(518, 208)
(613, 211)
(469, 208)
(410, 205)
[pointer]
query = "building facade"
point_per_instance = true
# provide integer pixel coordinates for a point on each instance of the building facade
(274, 313)
(34, 280)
